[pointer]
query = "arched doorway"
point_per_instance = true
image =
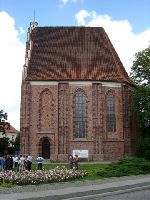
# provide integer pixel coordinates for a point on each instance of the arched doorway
(46, 148)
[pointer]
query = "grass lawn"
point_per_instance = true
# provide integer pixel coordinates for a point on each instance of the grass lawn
(125, 167)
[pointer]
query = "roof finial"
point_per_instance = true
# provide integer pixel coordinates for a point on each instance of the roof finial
(34, 15)
(33, 24)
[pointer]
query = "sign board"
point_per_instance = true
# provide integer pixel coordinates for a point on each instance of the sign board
(80, 153)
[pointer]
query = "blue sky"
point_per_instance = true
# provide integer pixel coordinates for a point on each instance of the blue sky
(127, 23)
(55, 12)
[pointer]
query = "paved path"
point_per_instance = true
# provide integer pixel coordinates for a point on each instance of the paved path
(78, 189)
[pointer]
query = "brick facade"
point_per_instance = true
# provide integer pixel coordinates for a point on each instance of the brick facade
(47, 112)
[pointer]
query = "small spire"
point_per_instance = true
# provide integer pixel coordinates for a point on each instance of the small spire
(34, 16)
(33, 24)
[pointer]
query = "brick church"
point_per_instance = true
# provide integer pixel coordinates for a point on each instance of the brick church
(75, 95)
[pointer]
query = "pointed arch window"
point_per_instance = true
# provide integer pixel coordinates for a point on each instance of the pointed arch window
(45, 110)
(79, 118)
(111, 119)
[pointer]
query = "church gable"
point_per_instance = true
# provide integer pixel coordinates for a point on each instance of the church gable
(73, 53)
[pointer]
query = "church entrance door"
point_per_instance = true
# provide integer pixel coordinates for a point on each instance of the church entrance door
(46, 148)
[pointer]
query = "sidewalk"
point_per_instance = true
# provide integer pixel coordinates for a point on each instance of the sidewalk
(74, 189)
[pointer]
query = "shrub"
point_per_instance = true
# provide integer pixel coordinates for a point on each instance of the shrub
(126, 166)
(143, 148)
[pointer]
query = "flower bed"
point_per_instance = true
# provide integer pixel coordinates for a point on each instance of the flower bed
(40, 176)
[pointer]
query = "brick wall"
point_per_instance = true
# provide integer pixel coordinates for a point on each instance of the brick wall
(47, 112)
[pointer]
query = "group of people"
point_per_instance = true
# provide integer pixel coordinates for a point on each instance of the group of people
(73, 161)
(19, 163)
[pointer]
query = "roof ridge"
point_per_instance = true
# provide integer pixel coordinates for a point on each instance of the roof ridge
(66, 26)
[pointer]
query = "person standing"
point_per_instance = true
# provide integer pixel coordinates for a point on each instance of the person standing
(76, 159)
(8, 163)
(2, 162)
(11, 163)
(40, 162)
(21, 163)
(29, 162)
(70, 159)
(16, 159)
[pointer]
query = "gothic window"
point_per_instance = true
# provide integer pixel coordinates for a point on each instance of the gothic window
(79, 118)
(45, 110)
(111, 119)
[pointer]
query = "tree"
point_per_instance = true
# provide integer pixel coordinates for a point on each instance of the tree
(143, 148)
(4, 144)
(3, 123)
(142, 106)
(140, 73)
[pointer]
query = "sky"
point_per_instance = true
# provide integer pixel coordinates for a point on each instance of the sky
(126, 22)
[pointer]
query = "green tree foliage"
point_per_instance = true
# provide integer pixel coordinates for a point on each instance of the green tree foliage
(4, 145)
(140, 73)
(125, 167)
(142, 106)
(3, 123)
(143, 148)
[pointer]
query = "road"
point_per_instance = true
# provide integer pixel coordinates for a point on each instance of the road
(142, 193)
(136, 195)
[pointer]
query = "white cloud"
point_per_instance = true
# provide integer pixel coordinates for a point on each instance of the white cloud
(82, 16)
(120, 32)
(21, 30)
(12, 52)
(64, 2)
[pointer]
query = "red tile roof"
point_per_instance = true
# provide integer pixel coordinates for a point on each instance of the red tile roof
(11, 130)
(74, 53)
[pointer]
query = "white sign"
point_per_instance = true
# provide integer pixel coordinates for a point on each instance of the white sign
(81, 153)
